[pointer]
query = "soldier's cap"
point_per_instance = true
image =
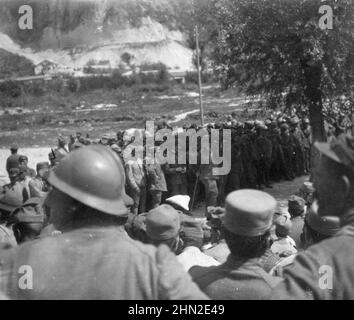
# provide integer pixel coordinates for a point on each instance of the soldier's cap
(296, 205)
(10, 200)
(180, 200)
(162, 223)
(23, 158)
(324, 225)
(249, 212)
(14, 148)
(29, 212)
(42, 165)
(282, 225)
(340, 150)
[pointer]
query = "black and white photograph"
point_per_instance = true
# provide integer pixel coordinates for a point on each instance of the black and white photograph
(177, 150)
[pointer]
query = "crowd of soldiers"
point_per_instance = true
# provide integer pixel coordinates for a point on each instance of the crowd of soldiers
(91, 225)
(263, 152)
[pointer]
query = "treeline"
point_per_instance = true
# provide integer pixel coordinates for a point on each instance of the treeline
(158, 82)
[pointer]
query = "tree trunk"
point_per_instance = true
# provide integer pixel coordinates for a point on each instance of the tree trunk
(313, 75)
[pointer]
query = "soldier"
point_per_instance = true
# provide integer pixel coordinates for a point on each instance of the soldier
(17, 186)
(209, 181)
(93, 258)
(71, 143)
(163, 225)
(23, 160)
(156, 183)
(297, 139)
(249, 157)
(287, 147)
(61, 149)
(307, 142)
(55, 157)
(283, 246)
(235, 175)
(317, 228)
(334, 184)
(264, 148)
(13, 161)
(248, 219)
(297, 211)
(277, 167)
(9, 201)
(136, 183)
(176, 179)
(38, 186)
(28, 220)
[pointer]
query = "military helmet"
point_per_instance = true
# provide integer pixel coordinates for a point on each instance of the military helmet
(94, 176)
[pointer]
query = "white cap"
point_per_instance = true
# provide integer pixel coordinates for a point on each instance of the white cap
(180, 200)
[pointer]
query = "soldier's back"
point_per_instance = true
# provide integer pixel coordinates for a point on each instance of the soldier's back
(235, 280)
(93, 263)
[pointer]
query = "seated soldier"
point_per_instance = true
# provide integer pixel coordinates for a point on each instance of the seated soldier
(28, 220)
(164, 226)
(29, 172)
(317, 228)
(38, 186)
(284, 245)
(324, 270)
(9, 201)
(248, 219)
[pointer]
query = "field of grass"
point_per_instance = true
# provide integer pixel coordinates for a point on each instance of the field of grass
(37, 121)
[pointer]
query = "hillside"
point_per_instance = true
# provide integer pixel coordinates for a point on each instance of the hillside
(13, 65)
(72, 32)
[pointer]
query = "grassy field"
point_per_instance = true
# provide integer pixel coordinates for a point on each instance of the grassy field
(37, 121)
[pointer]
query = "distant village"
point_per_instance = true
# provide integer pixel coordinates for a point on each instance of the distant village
(46, 70)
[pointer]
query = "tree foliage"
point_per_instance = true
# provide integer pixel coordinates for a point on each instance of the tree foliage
(277, 48)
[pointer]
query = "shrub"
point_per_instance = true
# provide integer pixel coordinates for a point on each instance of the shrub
(10, 88)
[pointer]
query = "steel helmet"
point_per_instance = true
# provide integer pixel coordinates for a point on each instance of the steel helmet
(94, 176)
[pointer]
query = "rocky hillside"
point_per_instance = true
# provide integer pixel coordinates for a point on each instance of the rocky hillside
(73, 32)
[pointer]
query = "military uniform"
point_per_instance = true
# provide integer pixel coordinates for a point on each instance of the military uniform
(12, 161)
(236, 279)
(38, 187)
(96, 263)
(136, 182)
(176, 179)
(335, 257)
(156, 184)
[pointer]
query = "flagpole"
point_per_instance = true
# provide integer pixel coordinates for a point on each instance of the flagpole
(199, 76)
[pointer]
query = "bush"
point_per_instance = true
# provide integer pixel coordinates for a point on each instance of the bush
(10, 88)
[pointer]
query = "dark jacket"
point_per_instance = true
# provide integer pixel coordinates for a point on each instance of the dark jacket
(12, 162)
(330, 261)
(236, 279)
(96, 263)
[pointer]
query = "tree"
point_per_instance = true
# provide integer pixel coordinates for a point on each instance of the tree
(279, 48)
